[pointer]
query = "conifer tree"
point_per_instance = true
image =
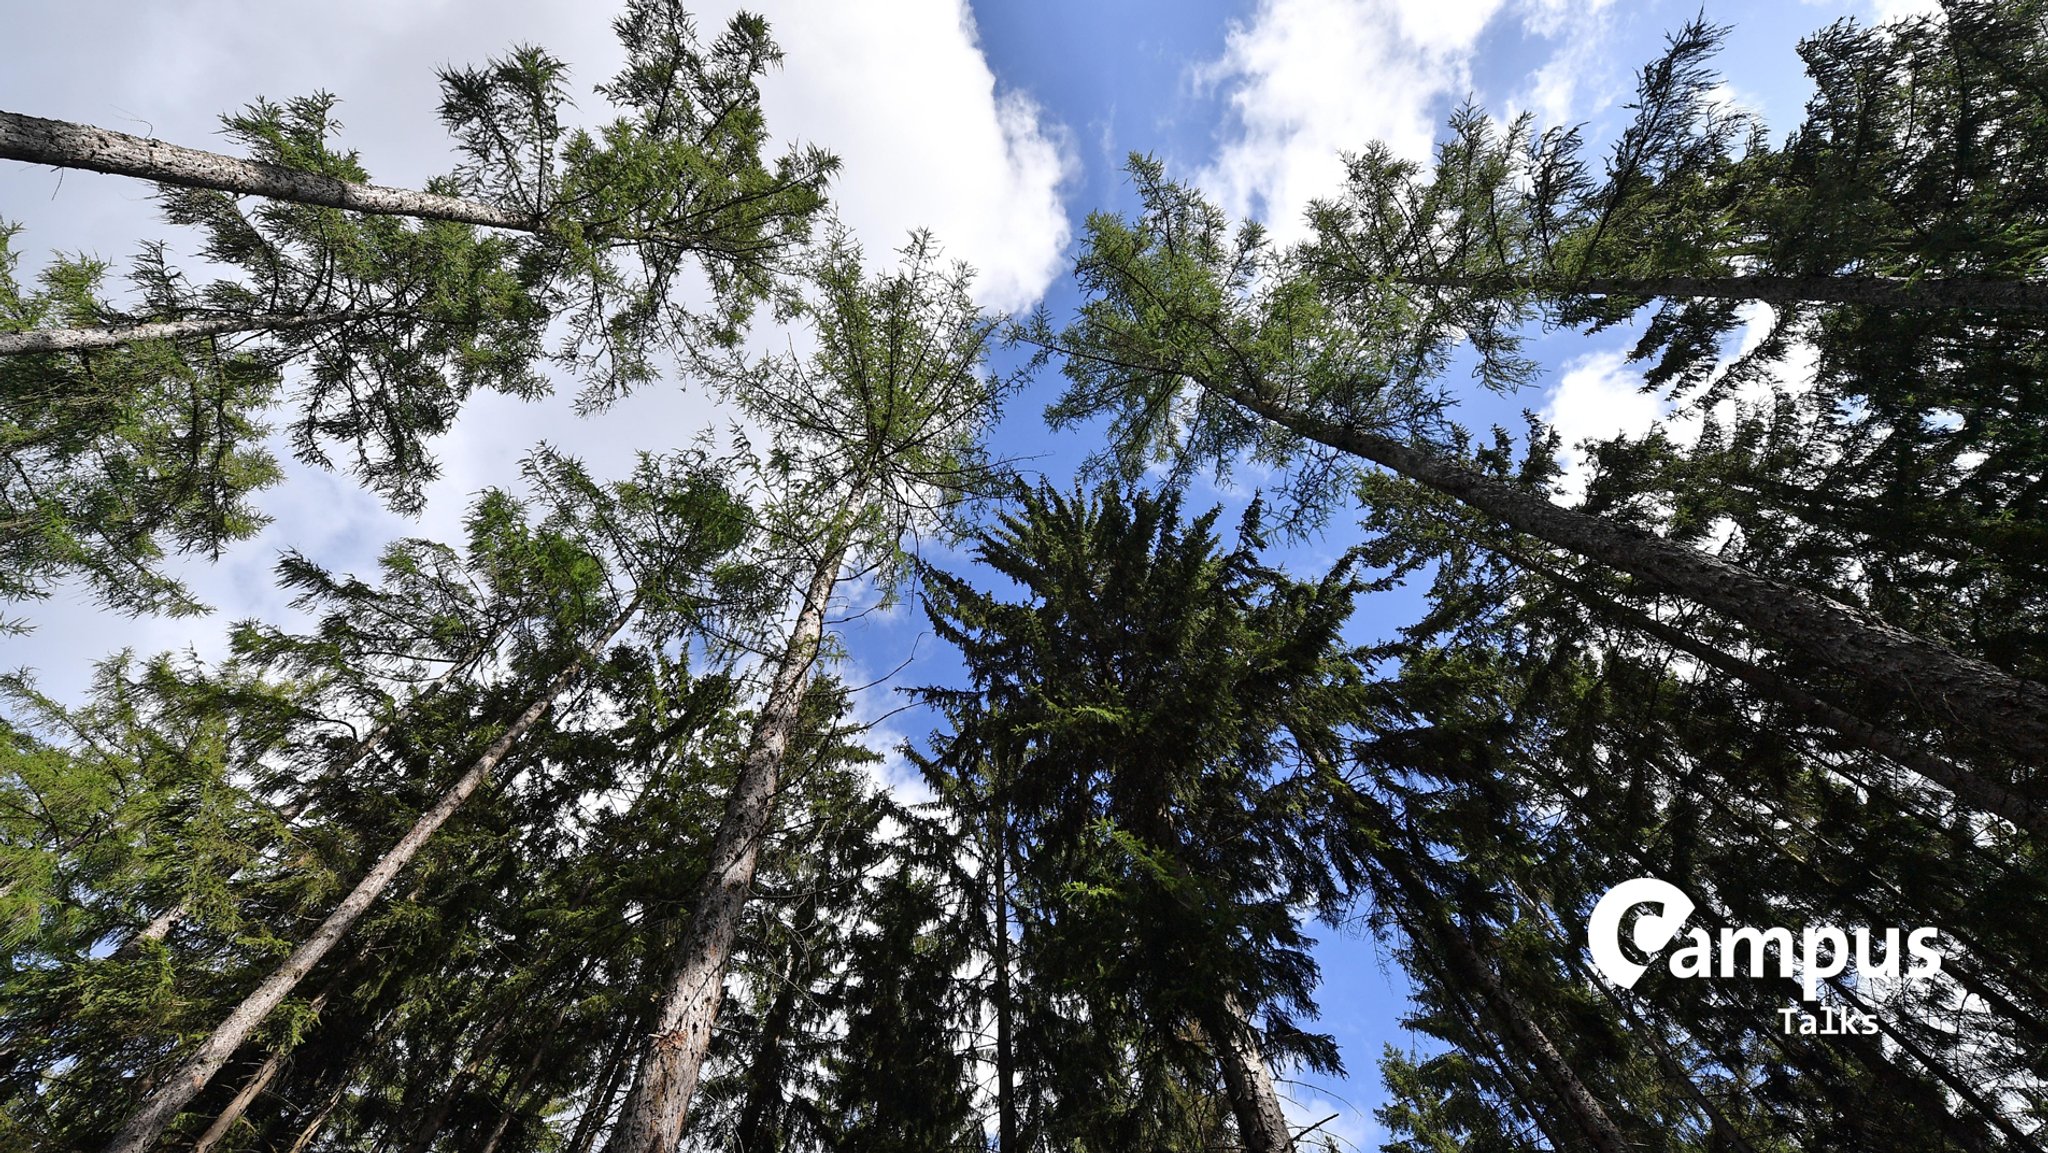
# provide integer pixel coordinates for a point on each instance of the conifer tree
(875, 435)
(383, 309)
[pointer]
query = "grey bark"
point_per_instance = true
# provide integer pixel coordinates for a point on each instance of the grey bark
(1995, 708)
(63, 144)
(1006, 1060)
(1588, 1116)
(1971, 788)
(1261, 1124)
(652, 1121)
(1869, 291)
(112, 336)
(148, 1122)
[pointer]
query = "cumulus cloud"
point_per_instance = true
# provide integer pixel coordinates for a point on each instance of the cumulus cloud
(1306, 80)
(927, 136)
(1598, 398)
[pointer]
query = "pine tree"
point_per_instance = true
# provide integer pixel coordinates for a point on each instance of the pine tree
(876, 435)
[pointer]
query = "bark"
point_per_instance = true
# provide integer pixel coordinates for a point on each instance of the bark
(148, 1122)
(1983, 295)
(1428, 924)
(319, 1120)
(1971, 788)
(1995, 708)
(1587, 1115)
(1261, 1125)
(260, 1080)
(112, 336)
(600, 1104)
(655, 1111)
(161, 925)
(1006, 1059)
(62, 144)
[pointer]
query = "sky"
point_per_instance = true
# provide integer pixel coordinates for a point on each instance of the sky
(997, 125)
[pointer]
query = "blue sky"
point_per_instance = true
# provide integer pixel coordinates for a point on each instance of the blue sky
(998, 125)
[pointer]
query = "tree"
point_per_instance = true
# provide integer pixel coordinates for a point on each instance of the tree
(585, 574)
(395, 306)
(875, 435)
(1133, 712)
(1178, 310)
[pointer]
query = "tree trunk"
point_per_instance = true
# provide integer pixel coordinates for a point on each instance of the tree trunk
(161, 925)
(112, 336)
(1971, 788)
(1006, 1059)
(62, 144)
(1997, 709)
(1585, 1110)
(652, 1121)
(260, 1081)
(600, 1106)
(1425, 922)
(313, 1126)
(148, 1122)
(1984, 295)
(1261, 1125)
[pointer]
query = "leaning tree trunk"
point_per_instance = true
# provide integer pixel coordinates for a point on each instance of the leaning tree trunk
(1261, 1125)
(1393, 853)
(1004, 1001)
(1977, 294)
(1586, 1113)
(253, 1088)
(1995, 708)
(63, 144)
(148, 1122)
(114, 335)
(652, 1121)
(161, 925)
(1973, 789)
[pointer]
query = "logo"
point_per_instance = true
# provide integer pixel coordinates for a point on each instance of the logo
(1652, 931)
(1822, 952)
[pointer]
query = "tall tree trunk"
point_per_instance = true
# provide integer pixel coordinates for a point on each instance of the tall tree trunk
(1971, 788)
(1587, 1115)
(1996, 708)
(319, 1119)
(1394, 852)
(161, 925)
(62, 144)
(652, 1121)
(112, 336)
(148, 1122)
(1261, 1125)
(1006, 1058)
(600, 1104)
(263, 1076)
(1985, 295)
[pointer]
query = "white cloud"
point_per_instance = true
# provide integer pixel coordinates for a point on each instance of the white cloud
(1886, 10)
(1307, 80)
(908, 102)
(1598, 397)
(1582, 58)
(928, 139)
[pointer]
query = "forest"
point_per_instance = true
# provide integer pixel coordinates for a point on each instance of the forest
(564, 835)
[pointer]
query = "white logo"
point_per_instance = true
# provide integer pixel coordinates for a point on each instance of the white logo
(1652, 931)
(1823, 951)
